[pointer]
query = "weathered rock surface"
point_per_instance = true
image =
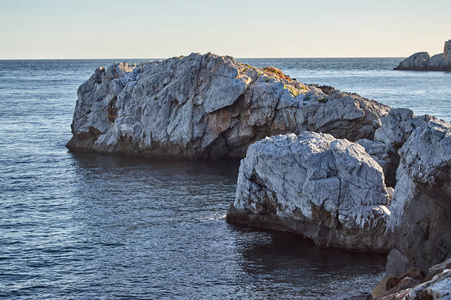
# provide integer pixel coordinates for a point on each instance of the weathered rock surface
(327, 189)
(421, 61)
(389, 138)
(207, 106)
(386, 156)
(417, 285)
(421, 206)
(296, 183)
(397, 126)
(438, 287)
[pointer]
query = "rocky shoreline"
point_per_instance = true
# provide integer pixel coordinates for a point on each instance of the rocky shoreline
(335, 167)
(422, 61)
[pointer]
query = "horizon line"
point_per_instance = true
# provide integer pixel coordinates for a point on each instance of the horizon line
(163, 58)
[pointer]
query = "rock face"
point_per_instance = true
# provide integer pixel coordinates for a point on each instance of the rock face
(333, 192)
(327, 189)
(207, 106)
(386, 156)
(417, 285)
(389, 138)
(447, 52)
(421, 61)
(421, 206)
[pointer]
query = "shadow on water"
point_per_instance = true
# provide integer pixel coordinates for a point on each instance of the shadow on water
(111, 163)
(283, 250)
(302, 268)
(166, 218)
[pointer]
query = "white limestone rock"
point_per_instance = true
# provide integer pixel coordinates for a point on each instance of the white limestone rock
(207, 106)
(398, 125)
(421, 205)
(436, 61)
(327, 189)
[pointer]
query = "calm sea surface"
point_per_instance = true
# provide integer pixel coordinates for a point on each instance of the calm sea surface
(83, 226)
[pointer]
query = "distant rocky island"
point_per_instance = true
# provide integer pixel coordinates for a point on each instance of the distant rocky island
(340, 169)
(421, 61)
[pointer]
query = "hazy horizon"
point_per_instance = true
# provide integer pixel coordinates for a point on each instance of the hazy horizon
(139, 29)
(156, 58)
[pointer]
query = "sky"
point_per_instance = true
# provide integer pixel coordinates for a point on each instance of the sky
(79, 29)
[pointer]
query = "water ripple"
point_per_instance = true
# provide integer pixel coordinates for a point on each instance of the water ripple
(83, 226)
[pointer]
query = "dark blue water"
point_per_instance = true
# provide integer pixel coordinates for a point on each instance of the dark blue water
(83, 226)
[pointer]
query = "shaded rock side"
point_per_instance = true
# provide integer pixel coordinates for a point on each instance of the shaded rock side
(447, 52)
(421, 61)
(326, 189)
(396, 128)
(386, 156)
(207, 106)
(421, 205)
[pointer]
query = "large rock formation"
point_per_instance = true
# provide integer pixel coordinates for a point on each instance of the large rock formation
(326, 189)
(322, 186)
(421, 61)
(207, 106)
(330, 191)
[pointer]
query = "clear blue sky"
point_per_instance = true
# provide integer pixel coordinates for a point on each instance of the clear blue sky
(240, 28)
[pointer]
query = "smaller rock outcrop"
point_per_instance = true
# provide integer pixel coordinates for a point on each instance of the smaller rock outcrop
(417, 285)
(421, 61)
(326, 189)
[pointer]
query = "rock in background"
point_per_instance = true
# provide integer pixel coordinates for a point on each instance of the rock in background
(207, 106)
(421, 61)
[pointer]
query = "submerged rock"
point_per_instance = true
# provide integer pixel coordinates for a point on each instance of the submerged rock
(421, 61)
(326, 189)
(207, 106)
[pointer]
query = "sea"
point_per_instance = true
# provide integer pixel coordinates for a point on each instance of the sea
(87, 226)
